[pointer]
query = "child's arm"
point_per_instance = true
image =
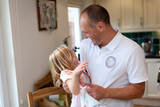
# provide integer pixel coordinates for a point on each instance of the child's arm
(73, 83)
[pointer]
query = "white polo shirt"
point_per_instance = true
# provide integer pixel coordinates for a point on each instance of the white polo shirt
(116, 65)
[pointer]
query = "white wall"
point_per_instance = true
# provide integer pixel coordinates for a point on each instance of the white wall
(3, 77)
(26, 49)
(32, 47)
(86, 3)
(75, 2)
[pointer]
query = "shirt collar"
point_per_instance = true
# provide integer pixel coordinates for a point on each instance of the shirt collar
(114, 42)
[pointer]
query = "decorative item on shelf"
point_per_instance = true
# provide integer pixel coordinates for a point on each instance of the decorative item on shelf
(65, 41)
(47, 15)
(146, 46)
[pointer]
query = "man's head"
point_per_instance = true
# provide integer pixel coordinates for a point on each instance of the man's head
(93, 21)
(97, 13)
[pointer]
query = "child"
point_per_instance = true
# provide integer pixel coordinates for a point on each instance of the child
(65, 65)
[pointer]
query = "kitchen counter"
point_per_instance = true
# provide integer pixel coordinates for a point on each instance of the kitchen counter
(153, 60)
(152, 55)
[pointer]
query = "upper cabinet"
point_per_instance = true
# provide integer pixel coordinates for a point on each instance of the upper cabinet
(133, 15)
(114, 11)
(151, 14)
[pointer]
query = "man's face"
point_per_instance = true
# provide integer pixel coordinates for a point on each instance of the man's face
(88, 30)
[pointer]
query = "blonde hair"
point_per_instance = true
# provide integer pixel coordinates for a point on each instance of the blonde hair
(61, 59)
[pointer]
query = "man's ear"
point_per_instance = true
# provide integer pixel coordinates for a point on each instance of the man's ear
(100, 26)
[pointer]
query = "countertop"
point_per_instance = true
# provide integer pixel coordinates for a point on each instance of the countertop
(152, 55)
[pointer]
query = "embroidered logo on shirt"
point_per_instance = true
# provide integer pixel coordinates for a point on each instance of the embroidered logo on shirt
(110, 62)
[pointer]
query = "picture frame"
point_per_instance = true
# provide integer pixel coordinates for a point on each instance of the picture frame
(47, 14)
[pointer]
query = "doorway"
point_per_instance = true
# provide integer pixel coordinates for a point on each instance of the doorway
(74, 28)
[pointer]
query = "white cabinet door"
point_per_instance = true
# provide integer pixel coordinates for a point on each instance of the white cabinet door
(151, 90)
(132, 14)
(124, 14)
(152, 14)
(114, 9)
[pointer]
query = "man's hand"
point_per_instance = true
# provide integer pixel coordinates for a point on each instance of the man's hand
(131, 91)
(95, 91)
(66, 88)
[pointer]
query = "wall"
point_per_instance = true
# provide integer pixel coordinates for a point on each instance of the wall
(75, 2)
(86, 3)
(32, 47)
(26, 50)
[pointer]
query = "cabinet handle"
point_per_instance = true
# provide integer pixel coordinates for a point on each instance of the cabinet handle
(141, 21)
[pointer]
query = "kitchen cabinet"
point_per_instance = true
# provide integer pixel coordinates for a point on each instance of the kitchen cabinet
(151, 14)
(151, 96)
(124, 14)
(113, 7)
(133, 15)
(151, 90)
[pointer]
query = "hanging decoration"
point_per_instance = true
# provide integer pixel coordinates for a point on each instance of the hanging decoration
(47, 15)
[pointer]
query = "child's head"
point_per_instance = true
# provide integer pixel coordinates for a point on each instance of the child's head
(61, 59)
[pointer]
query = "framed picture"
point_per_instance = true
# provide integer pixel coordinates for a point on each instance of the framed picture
(47, 14)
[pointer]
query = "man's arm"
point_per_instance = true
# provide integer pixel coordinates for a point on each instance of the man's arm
(131, 91)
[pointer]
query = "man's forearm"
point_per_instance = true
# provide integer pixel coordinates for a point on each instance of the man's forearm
(129, 92)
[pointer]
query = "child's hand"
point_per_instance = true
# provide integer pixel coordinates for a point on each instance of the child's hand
(80, 68)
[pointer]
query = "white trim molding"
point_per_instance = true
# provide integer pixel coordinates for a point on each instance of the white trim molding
(3, 77)
(8, 60)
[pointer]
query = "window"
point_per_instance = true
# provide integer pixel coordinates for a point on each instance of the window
(74, 29)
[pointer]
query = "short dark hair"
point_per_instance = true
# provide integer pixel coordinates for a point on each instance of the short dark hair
(97, 13)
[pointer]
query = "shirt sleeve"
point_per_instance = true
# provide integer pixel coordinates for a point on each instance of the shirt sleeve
(136, 68)
(66, 75)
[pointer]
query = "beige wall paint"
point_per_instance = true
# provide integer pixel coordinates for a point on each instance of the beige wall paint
(27, 49)
(86, 3)
(32, 47)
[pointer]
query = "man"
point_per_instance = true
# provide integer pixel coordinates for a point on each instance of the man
(116, 64)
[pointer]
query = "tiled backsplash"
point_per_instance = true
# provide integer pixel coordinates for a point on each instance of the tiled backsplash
(153, 37)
